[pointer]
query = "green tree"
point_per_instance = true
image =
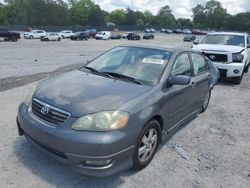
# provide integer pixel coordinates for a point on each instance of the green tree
(118, 17)
(164, 17)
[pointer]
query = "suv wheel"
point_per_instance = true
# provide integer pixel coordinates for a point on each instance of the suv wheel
(206, 101)
(13, 39)
(146, 145)
(237, 80)
(31, 37)
(246, 68)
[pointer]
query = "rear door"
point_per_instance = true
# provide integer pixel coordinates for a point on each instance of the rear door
(201, 78)
(179, 98)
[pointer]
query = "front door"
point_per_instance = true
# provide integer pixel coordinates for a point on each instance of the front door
(179, 98)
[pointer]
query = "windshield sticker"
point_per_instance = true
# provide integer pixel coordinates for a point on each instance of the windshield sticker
(153, 61)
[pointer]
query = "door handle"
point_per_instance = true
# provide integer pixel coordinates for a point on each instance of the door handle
(192, 84)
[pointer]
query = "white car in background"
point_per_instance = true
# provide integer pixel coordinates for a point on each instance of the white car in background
(66, 33)
(103, 35)
(230, 52)
(187, 31)
(35, 34)
(52, 37)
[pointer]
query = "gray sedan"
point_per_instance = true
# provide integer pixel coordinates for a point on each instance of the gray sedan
(112, 114)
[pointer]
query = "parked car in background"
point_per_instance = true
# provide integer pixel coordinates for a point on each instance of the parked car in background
(80, 36)
(152, 30)
(148, 36)
(169, 31)
(9, 35)
(199, 32)
(229, 51)
(189, 38)
(125, 35)
(91, 32)
(66, 34)
(103, 35)
(52, 37)
(147, 30)
(177, 31)
(163, 30)
(187, 31)
(116, 36)
(35, 34)
(112, 114)
(133, 36)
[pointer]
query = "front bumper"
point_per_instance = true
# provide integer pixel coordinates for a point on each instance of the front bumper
(76, 148)
(229, 70)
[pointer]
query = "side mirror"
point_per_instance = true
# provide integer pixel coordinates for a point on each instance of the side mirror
(179, 80)
(196, 42)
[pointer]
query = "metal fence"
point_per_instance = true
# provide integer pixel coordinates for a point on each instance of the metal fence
(81, 28)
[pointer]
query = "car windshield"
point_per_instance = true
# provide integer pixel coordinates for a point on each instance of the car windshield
(233, 40)
(142, 64)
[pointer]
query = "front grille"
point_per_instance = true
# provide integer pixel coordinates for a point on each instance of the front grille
(223, 72)
(52, 114)
(216, 57)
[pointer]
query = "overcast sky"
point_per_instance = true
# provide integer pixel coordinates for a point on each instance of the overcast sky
(181, 8)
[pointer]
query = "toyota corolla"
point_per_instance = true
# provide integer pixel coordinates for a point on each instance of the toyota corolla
(111, 114)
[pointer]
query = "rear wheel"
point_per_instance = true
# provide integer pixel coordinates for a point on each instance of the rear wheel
(31, 37)
(59, 39)
(206, 101)
(13, 39)
(146, 145)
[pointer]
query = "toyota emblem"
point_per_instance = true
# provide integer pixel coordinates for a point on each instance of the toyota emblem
(45, 110)
(212, 57)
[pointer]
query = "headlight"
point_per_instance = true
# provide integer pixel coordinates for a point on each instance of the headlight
(237, 57)
(28, 97)
(101, 121)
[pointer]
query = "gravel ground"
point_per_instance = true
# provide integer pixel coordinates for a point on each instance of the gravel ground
(216, 142)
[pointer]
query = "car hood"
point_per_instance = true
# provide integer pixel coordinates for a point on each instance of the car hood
(81, 93)
(219, 48)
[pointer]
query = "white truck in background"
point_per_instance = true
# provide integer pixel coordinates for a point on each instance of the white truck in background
(229, 51)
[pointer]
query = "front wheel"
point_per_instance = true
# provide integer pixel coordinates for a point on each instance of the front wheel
(206, 101)
(237, 80)
(146, 145)
(246, 68)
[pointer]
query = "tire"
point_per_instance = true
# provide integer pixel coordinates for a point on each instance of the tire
(146, 145)
(206, 102)
(246, 68)
(237, 80)
(31, 37)
(59, 39)
(14, 39)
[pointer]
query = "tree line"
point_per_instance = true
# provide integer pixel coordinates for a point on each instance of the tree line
(211, 15)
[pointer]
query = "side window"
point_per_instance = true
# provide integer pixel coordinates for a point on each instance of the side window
(182, 66)
(199, 64)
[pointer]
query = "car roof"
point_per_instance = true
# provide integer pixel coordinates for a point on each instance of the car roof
(159, 47)
(227, 33)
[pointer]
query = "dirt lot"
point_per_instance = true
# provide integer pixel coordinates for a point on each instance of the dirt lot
(217, 142)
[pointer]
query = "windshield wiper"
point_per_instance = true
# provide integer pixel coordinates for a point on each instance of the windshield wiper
(97, 71)
(118, 75)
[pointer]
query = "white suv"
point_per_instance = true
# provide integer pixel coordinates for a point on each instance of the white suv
(229, 51)
(35, 34)
(66, 34)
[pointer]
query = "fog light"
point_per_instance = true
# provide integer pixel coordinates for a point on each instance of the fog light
(97, 163)
(236, 71)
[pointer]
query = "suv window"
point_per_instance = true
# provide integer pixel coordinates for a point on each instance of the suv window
(182, 66)
(199, 64)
